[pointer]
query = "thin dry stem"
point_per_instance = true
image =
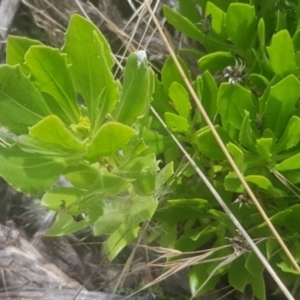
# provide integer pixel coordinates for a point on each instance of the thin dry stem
(294, 189)
(46, 16)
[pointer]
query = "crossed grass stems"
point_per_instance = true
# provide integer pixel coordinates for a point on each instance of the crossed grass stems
(242, 242)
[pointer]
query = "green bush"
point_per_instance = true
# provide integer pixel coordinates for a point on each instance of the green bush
(249, 86)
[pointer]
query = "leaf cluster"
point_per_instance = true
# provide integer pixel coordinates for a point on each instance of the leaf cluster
(64, 114)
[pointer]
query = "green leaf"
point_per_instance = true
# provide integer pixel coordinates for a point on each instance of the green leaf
(281, 101)
(105, 185)
(258, 80)
(7, 139)
(266, 11)
(89, 56)
(187, 9)
(280, 21)
(164, 175)
(65, 224)
(118, 240)
(291, 163)
(180, 98)
(297, 58)
(80, 175)
(21, 105)
(238, 277)
(247, 135)
(113, 217)
(167, 234)
(290, 136)
(263, 183)
(29, 144)
(253, 264)
(241, 24)
(216, 61)
(271, 246)
(218, 19)
(50, 73)
(281, 54)
(128, 210)
(52, 130)
(207, 91)
(195, 238)
(161, 101)
(53, 199)
(232, 103)
(286, 267)
(137, 89)
(109, 138)
(264, 146)
(176, 123)
(27, 172)
(222, 4)
(16, 48)
(170, 73)
(261, 34)
(278, 218)
(197, 276)
(183, 209)
(287, 221)
(296, 40)
(233, 184)
(237, 155)
(207, 144)
(155, 142)
(123, 214)
(258, 286)
(183, 24)
(144, 170)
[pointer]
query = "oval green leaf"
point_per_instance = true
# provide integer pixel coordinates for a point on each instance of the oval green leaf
(109, 139)
(137, 89)
(281, 54)
(50, 73)
(241, 24)
(90, 59)
(216, 61)
(21, 104)
(53, 131)
(233, 102)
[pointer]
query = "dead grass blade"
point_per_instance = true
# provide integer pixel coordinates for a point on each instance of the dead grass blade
(226, 261)
(179, 264)
(293, 188)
